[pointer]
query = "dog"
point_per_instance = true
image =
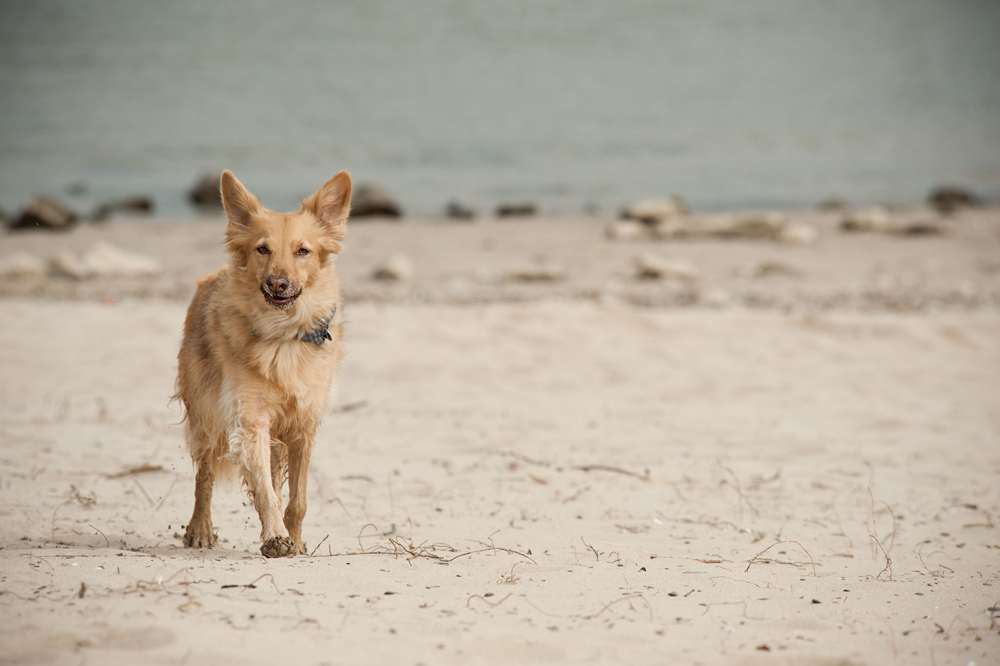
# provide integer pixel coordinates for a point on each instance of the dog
(261, 347)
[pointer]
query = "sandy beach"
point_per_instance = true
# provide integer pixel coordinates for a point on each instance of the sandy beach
(781, 454)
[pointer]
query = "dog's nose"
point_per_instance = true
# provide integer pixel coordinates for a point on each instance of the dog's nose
(277, 285)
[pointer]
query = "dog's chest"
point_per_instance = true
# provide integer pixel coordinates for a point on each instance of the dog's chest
(297, 369)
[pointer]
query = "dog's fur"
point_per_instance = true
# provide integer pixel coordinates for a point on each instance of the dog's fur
(252, 389)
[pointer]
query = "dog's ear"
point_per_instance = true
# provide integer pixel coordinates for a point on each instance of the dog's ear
(240, 206)
(331, 204)
(239, 203)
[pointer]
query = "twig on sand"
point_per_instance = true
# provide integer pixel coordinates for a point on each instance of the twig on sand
(318, 545)
(484, 600)
(888, 562)
(597, 555)
(618, 601)
(735, 485)
(148, 498)
(362, 531)
(811, 560)
(85, 500)
(138, 469)
(708, 607)
(106, 542)
(165, 495)
(251, 584)
(623, 545)
(609, 468)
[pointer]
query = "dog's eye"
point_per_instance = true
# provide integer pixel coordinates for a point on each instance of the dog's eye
(263, 250)
(302, 251)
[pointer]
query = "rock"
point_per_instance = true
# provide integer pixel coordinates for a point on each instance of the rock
(44, 213)
(369, 200)
(542, 273)
(768, 226)
(653, 267)
(775, 269)
(397, 268)
(672, 229)
(521, 209)
(457, 211)
(832, 204)
(716, 298)
(205, 193)
(798, 234)
(22, 266)
(626, 230)
(654, 211)
(949, 198)
(874, 220)
(137, 204)
(105, 260)
(67, 264)
(918, 228)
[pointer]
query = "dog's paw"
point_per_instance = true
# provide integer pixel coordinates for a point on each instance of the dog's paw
(279, 546)
(300, 548)
(199, 536)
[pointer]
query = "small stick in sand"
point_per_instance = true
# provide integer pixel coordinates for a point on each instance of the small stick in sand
(597, 555)
(888, 562)
(618, 601)
(106, 542)
(609, 468)
(318, 545)
(811, 560)
(483, 599)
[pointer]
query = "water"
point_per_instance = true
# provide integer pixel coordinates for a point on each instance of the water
(570, 103)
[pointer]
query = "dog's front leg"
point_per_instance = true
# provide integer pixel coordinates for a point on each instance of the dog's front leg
(299, 453)
(257, 475)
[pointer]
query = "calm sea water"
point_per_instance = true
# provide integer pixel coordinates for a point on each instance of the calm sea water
(571, 103)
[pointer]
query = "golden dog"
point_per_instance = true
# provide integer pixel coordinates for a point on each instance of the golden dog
(262, 343)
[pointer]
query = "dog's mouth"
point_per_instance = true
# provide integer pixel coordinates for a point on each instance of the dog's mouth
(282, 302)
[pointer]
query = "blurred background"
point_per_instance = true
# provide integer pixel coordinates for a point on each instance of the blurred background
(579, 105)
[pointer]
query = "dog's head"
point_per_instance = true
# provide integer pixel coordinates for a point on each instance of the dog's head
(281, 253)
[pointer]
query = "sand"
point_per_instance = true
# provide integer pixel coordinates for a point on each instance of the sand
(751, 467)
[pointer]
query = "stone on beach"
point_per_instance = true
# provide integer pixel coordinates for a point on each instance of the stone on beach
(518, 209)
(627, 230)
(22, 266)
(44, 213)
(135, 204)
(103, 259)
(654, 211)
(874, 220)
(458, 211)
(397, 268)
(369, 200)
(775, 269)
(205, 193)
(655, 267)
(765, 226)
(949, 198)
(545, 272)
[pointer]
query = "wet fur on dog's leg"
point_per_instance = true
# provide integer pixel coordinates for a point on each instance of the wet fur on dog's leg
(256, 459)
(199, 532)
(278, 465)
(299, 454)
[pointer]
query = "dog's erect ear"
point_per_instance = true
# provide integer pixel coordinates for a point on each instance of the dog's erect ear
(331, 204)
(239, 203)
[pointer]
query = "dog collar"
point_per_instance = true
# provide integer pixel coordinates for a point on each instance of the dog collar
(321, 333)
